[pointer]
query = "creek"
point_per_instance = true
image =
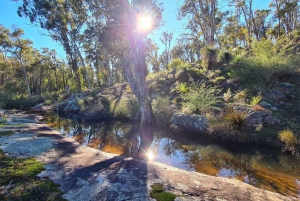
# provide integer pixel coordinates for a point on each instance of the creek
(259, 165)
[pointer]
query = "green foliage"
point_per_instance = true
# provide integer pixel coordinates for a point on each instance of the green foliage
(124, 108)
(93, 94)
(256, 100)
(256, 70)
(235, 118)
(178, 64)
(288, 137)
(5, 133)
(48, 102)
(161, 110)
(227, 96)
(159, 194)
(209, 57)
(80, 102)
(23, 102)
(4, 99)
(200, 98)
(183, 87)
(26, 185)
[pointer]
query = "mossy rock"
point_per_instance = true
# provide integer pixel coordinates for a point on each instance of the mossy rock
(159, 194)
(25, 184)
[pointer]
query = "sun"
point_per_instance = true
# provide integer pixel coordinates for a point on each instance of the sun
(144, 22)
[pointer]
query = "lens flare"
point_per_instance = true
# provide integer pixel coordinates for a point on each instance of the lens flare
(150, 155)
(144, 22)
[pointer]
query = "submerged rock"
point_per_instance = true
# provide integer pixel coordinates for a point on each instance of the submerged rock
(193, 123)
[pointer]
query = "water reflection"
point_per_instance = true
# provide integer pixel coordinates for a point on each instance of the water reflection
(261, 166)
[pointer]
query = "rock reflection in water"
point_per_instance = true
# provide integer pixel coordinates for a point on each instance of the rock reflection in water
(261, 166)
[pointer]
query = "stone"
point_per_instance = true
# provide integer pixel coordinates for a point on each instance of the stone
(97, 111)
(276, 95)
(71, 107)
(283, 87)
(265, 104)
(193, 123)
(257, 118)
(232, 84)
(271, 120)
(2, 112)
(61, 106)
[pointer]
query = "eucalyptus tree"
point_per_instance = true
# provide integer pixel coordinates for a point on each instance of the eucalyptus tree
(166, 39)
(287, 14)
(244, 8)
(64, 21)
(11, 42)
(122, 32)
(202, 16)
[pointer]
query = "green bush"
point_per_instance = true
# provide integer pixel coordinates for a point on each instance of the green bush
(257, 69)
(124, 108)
(256, 100)
(288, 137)
(161, 110)
(235, 118)
(23, 102)
(4, 99)
(200, 98)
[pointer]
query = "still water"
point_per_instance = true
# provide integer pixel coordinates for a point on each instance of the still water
(261, 166)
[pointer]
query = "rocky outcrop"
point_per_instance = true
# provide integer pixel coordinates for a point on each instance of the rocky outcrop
(72, 106)
(276, 95)
(89, 174)
(94, 112)
(186, 122)
(256, 118)
(284, 87)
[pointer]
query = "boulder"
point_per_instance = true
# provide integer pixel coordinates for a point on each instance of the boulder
(276, 95)
(256, 118)
(97, 111)
(193, 123)
(61, 106)
(267, 105)
(271, 120)
(284, 87)
(2, 112)
(72, 106)
(232, 84)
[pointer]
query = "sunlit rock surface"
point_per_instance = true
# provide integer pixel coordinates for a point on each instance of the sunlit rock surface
(89, 174)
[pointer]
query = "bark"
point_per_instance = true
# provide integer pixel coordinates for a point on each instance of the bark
(85, 71)
(25, 75)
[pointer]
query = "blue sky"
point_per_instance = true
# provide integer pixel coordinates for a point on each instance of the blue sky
(9, 17)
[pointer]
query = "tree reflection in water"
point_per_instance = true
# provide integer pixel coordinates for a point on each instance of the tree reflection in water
(265, 168)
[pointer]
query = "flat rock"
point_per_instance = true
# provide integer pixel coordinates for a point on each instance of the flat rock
(89, 174)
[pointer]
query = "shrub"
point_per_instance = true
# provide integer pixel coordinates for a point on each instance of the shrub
(183, 87)
(288, 137)
(227, 96)
(23, 102)
(256, 70)
(4, 99)
(124, 108)
(235, 118)
(93, 94)
(48, 102)
(256, 99)
(200, 98)
(161, 110)
(209, 57)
